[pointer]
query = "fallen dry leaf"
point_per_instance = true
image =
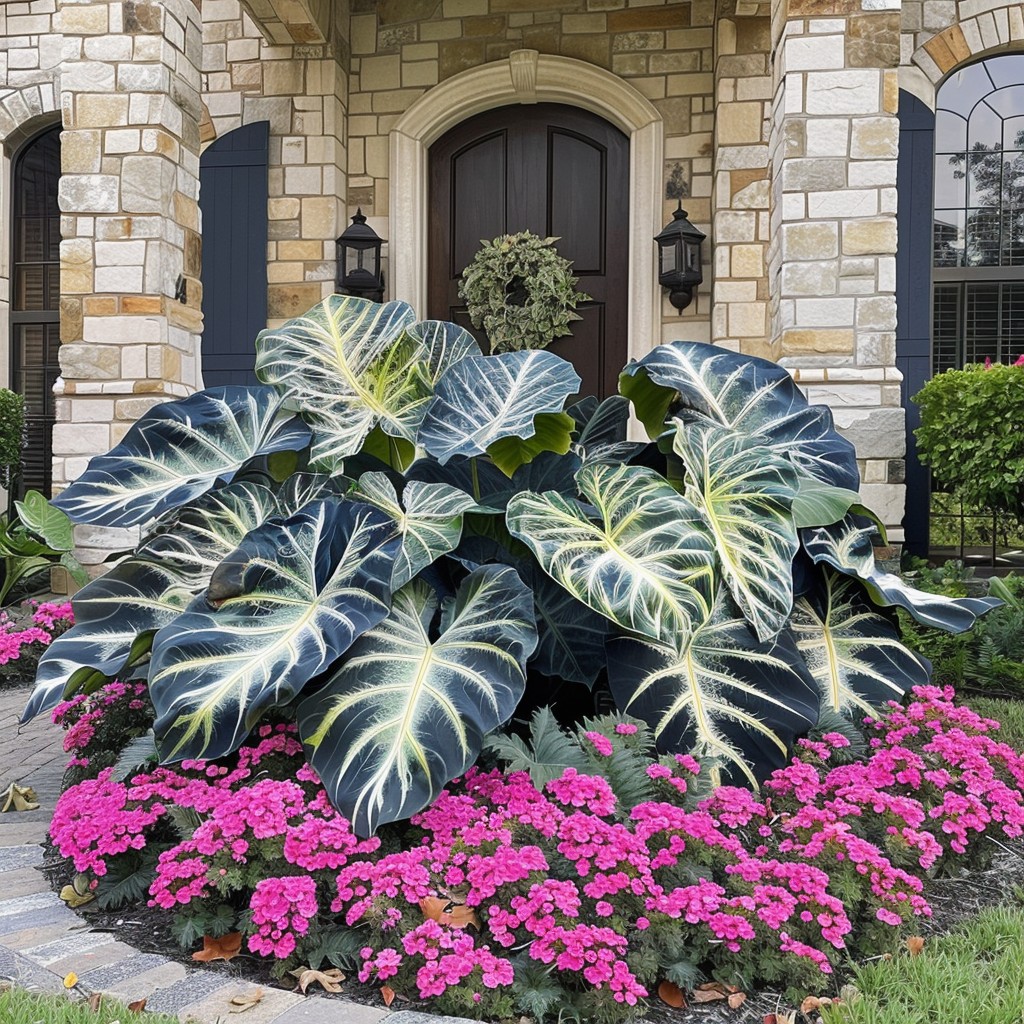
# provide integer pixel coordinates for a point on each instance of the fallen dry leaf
(387, 993)
(18, 798)
(245, 1001)
(709, 992)
(138, 1006)
(329, 981)
(671, 994)
(810, 1004)
(915, 944)
(227, 947)
(94, 1001)
(70, 979)
(737, 999)
(446, 912)
(77, 893)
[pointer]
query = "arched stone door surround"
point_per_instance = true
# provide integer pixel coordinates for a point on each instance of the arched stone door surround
(530, 77)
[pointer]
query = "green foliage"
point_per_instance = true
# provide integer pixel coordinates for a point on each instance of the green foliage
(521, 292)
(465, 531)
(37, 536)
(12, 435)
(974, 975)
(191, 926)
(970, 434)
(547, 753)
(1008, 713)
(20, 1007)
(988, 658)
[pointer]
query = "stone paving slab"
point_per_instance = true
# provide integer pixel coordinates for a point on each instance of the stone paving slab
(324, 1010)
(193, 988)
(142, 986)
(271, 1009)
(15, 858)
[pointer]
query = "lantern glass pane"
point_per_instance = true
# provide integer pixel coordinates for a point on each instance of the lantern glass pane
(669, 263)
(692, 257)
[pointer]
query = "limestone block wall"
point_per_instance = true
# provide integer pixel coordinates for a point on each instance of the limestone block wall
(129, 94)
(663, 49)
(742, 219)
(833, 154)
(254, 71)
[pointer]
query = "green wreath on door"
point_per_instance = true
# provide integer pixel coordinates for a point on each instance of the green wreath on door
(521, 292)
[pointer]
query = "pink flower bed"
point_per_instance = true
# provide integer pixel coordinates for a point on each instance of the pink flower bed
(48, 620)
(503, 898)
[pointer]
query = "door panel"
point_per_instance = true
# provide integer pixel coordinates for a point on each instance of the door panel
(914, 296)
(552, 170)
(233, 200)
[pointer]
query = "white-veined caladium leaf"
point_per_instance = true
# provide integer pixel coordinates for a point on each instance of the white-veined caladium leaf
(648, 564)
(349, 365)
(428, 516)
(853, 652)
(117, 614)
(300, 489)
(407, 711)
(445, 344)
(280, 609)
(177, 451)
(751, 395)
(570, 636)
(847, 546)
(745, 496)
(485, 401)
(820, 504)
(723, 695)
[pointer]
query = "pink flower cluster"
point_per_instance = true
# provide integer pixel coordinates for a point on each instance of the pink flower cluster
(83, 714)
(49, 619)
(281, 909)
(449, 958)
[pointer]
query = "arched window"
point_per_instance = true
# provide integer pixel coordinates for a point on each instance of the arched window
(35, 299)
(978, 228)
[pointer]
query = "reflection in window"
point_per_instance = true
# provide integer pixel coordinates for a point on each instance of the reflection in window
(978, 227)
(979, 166)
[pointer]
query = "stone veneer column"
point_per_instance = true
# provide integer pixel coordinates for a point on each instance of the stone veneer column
(832, 262)
(743, 93)
(130, 225)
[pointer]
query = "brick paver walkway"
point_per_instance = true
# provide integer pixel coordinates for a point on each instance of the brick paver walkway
(41, 940)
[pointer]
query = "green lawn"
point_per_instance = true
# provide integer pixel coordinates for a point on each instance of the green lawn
(974, 975)
(18, 1007)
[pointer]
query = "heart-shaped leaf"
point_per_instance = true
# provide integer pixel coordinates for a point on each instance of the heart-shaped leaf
(177, 451)
(647, 565)
(280, 609)
(429, 518)
(853, 652)
(750, 395)
(744, 495)
(722, 695)
(406, 713)
(484, 399)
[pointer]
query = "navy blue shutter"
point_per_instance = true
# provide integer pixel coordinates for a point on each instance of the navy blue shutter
(233, 201)
(914, 175)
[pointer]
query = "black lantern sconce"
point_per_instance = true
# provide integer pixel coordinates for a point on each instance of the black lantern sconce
(679, 260)
(359, 260)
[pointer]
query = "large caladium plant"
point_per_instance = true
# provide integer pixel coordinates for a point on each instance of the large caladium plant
(393, 534)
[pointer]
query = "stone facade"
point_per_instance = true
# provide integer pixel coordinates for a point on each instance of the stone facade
(776, 125)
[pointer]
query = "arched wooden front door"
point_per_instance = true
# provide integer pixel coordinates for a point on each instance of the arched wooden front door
(552, 170)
